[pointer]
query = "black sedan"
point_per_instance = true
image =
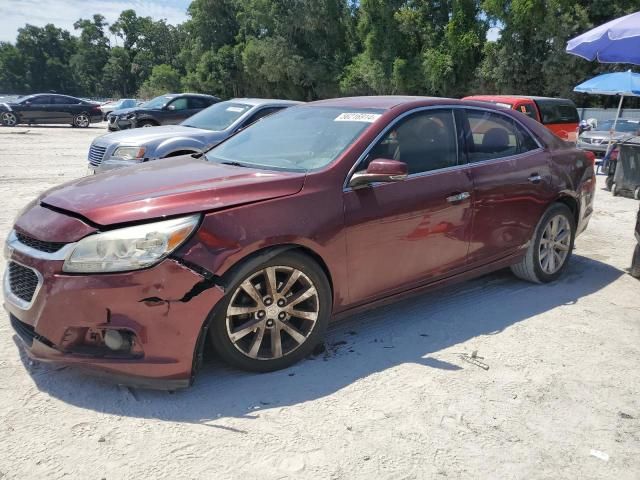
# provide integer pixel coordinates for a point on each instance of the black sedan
(47, 108)
(169, 109)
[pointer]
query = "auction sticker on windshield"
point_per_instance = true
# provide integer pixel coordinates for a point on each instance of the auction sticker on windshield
(357, 117)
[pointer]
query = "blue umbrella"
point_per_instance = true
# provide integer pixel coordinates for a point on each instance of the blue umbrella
(625, 84)
(617, 41)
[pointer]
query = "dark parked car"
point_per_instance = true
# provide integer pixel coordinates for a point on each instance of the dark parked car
(163, 110)
(48, 108)
(117, 105)
(196, 134)
(320, 210)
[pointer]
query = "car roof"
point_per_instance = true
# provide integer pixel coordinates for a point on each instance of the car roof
(383, 102)
(189, 94)
(256, 102)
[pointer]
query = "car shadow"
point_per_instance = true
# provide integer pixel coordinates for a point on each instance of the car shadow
(410, 331)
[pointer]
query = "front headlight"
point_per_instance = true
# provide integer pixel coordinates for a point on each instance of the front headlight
(129, 153)
(130, 248)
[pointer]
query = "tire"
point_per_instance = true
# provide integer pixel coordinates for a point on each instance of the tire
(532, 266)
(635, 262)
(9, 119)
(264, 315)
(636, 193)
(614, 190)
(147, 123)
(81, 120)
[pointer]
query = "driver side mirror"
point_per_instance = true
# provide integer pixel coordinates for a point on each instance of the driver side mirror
(170, 107)
(380, 170)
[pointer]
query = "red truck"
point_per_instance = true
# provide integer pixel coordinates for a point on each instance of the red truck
(559, 115)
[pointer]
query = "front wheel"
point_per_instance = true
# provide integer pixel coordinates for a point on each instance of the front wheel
(9, 119)
(146, 124)
(274, 315)
(550, 248)
(81, 120)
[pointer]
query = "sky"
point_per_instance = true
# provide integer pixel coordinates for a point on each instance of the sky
(63, 13)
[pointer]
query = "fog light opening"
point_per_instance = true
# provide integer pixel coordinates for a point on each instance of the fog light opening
(117, 340)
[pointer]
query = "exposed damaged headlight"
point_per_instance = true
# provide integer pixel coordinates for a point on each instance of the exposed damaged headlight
(130, 248)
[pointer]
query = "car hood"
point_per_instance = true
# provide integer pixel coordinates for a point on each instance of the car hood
(175, 186)
(601, 135)
(143, 136)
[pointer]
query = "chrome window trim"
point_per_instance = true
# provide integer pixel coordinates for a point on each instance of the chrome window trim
(15, 300)
(13, 244)
(352, 170)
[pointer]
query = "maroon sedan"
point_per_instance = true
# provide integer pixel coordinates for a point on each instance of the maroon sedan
(317, 211)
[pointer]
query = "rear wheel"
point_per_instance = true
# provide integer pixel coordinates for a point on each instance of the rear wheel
(81, 120)
(274, 315)
(550, 248)
(9, 119)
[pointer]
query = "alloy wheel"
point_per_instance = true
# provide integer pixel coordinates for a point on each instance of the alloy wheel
(9, 119)
(82, 120)
(555, 244)
(272, 312)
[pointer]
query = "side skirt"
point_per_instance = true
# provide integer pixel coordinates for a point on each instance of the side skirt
(444, 282)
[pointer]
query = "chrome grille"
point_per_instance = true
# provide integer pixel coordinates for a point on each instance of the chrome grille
(23, 281)
(96, 154)
(48, 247)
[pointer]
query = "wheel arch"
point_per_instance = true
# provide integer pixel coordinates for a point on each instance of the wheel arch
(242, 267)
(572, 203)
(264, 254)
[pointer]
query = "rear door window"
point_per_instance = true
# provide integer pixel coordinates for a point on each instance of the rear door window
(492, 136)
(198, 103)
(64, 101)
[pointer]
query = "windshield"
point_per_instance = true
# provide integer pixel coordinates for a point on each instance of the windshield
(297, 139)
(218, 116)
(157, 102)
(622, 126)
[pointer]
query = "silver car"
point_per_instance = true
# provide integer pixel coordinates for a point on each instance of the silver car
(597, 139)
(196, 134)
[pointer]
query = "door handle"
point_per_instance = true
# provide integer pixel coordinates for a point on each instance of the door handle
(458, 197)
(535, 178)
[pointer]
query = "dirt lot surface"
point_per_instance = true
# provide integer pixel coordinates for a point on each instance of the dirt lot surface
(391, 398)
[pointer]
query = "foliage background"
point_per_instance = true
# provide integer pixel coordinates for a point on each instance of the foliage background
(310, 49)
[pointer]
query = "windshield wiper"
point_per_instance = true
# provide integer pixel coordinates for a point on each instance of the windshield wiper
(235, 164)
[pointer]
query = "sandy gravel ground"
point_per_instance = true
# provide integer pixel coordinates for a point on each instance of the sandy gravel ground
(391, 398)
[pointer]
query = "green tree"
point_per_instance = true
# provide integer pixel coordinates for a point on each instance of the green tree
(117, 73)
(164, 79)
(91, 55)
(46, 53)
(12, 69)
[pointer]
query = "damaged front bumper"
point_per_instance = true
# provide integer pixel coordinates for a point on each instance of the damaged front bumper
(158, 313)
